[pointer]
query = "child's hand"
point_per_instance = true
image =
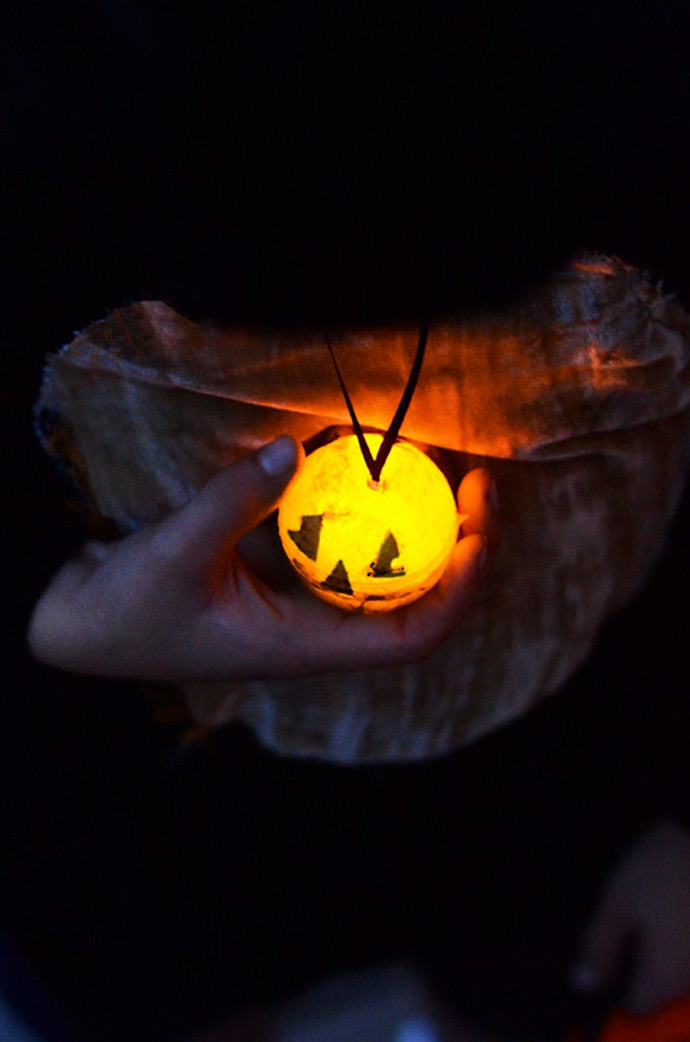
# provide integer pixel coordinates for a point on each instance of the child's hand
(178, 600)
(646, 902)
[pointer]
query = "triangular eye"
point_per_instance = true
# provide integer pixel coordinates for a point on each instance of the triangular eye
(338, 581)
(307, 538)
(382, 568)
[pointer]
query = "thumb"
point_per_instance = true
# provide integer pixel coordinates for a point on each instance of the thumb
(234, 501)
(603, 950)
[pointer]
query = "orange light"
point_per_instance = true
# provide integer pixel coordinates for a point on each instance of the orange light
(362, 545)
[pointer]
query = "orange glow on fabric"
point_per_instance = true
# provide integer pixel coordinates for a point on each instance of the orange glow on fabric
(365, 545)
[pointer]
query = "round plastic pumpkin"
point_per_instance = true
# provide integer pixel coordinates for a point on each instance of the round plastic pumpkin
(364, 545)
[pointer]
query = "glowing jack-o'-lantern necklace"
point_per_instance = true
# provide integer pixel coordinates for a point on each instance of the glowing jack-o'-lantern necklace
(363, 538)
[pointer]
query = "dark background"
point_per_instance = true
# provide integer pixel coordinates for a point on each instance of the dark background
(258, 162)
(280, 162)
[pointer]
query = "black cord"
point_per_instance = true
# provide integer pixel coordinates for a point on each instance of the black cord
(375, 466)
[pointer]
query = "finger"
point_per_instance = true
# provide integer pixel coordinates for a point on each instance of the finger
(650, 987)
(604, 949)
(662, 968)
(233, 502)
(431, 619)
(333, 640)
(478, 499)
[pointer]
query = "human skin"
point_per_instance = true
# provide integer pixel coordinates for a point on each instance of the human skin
(207, 593)
(645, 902)
(202, 594)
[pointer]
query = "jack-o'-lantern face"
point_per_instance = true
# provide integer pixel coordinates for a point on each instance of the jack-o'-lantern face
(362, 545)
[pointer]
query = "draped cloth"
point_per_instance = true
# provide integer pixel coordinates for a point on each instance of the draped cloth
(576, 398)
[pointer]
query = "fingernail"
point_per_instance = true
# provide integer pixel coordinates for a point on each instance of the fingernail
(278, 457)
(584, 978)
